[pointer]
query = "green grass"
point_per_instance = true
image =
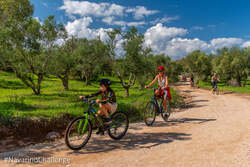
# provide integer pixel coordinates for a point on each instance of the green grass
(222, 86)
(17, 100)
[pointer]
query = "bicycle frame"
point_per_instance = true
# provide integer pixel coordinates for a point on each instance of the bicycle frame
(91, 112)
(154, 99)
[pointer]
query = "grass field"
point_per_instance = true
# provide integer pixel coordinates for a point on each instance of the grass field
(223, 87)
(17, 100)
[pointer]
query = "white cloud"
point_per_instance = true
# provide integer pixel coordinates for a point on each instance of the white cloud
(109, 20)
(79, 26)
(246, 44)
(178, 47)
(224, 42)
(158, 35)
(164, 20)
(110, 13)
(167, 40)
(140, 12)
(80, 29)
(112, 21)
(86, 8)
(136, 24)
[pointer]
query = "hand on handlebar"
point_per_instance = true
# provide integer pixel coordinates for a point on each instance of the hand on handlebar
(83, 97)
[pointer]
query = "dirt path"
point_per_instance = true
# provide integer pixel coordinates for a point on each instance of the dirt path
(213, 131)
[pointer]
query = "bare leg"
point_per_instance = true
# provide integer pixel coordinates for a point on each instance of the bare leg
(104, 109)
(165, 100)
(165, 104)
(157, 93)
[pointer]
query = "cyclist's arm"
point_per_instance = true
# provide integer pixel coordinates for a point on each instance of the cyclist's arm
(153, 81)
(94, 94)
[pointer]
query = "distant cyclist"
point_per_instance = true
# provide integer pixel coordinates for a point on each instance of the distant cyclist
(214, 81)
(191, 80)
(163, 89)
(184, 78)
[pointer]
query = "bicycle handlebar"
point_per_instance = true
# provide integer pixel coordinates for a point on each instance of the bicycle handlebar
(88, 100)
(151, 88)
(91, 101)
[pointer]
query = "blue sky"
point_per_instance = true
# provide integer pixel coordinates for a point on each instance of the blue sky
(173, 27)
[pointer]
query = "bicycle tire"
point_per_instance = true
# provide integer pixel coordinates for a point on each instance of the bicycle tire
(67, 138)
(115, 123)
(149, 123)
(165, 117)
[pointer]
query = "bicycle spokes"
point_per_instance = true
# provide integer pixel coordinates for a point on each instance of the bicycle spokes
(119, 125)
(78, 133)
(150, 113)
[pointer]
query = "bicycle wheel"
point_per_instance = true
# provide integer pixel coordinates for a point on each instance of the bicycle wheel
(78, 133)
(213, 91)
(119, 125)
(217, 91)
(166, 114)
(150, 113)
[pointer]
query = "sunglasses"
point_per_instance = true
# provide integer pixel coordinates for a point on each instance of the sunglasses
(160, 71)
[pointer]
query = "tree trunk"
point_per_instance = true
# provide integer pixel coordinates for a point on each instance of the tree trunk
(126, 86)
(87, 76)
(40, 77)
(35, 91)
(86, 80)
(239, 80)
(127, 91)
(65, 81)
(29, 82)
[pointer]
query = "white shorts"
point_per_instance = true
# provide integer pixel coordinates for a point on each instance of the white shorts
(113, 107)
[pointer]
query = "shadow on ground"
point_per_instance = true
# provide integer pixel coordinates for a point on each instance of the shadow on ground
(102, 144)
(176, 122)
(131, 142)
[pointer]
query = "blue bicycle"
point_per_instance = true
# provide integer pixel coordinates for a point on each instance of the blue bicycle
(153, 108)
(80, 129)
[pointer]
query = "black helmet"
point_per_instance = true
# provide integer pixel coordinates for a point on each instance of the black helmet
(105, 82)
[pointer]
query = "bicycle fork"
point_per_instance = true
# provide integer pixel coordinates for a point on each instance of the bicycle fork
(82, 125)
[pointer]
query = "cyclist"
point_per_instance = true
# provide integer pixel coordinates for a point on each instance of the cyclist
(214, 81)
(185, 78)
(107, 103)
(163, 89)
(191, 80)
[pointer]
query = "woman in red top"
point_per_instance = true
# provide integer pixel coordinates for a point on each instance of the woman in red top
(163, 89)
